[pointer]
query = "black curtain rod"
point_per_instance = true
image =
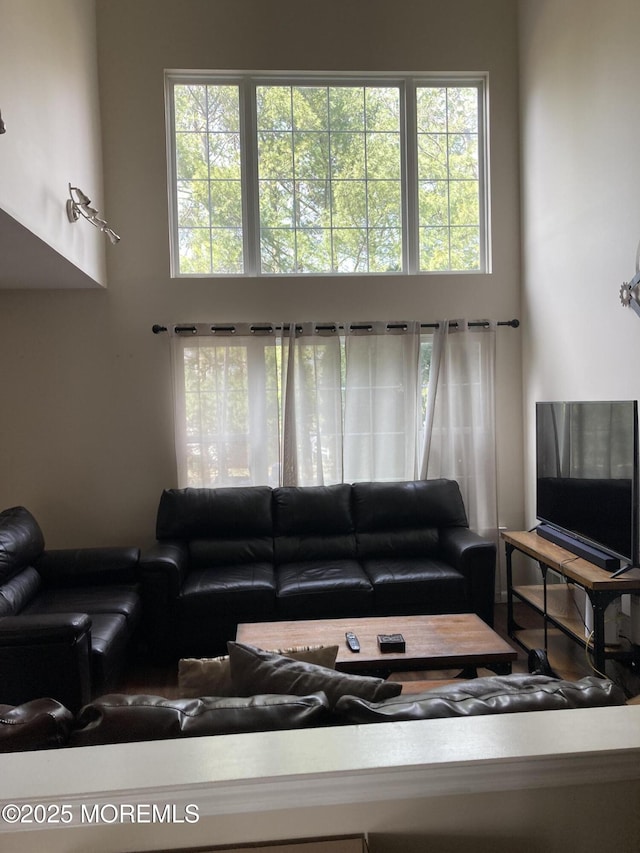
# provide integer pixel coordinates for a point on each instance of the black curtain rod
(192, 329)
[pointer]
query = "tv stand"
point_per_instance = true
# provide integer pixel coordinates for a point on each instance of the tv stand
(554, 602)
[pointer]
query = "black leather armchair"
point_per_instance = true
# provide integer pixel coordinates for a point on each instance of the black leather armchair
(67, 617)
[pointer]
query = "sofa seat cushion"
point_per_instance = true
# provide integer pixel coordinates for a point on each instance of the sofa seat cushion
(323, 589)
(416, 585)
(254, 670)
(120, 599)
(240, 589)
(492, 695)
(120, 718)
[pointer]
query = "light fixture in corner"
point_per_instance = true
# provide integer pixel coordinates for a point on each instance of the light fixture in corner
(630, 291)
(3, 126)
(78, 204)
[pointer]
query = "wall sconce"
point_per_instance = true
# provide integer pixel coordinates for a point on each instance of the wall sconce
(78, 204)
(630, 291)
(3, 126)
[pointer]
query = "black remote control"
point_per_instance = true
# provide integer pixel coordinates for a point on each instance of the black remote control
(352, 642)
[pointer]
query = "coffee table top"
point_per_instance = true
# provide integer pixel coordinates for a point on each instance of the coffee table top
(432, 642)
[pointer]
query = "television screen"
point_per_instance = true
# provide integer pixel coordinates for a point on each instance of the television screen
(587, 470)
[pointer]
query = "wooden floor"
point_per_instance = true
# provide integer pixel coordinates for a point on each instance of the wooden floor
(567, 659)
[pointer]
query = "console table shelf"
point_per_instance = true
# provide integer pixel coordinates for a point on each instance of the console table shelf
(555, 602)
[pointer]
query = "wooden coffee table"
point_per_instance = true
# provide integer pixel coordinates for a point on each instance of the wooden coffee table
(432, 642)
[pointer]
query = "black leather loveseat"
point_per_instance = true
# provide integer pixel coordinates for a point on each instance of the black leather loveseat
(245, 554)
(67, 616)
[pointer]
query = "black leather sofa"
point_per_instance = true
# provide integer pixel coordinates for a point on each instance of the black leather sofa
(67, 616)
(246, 554)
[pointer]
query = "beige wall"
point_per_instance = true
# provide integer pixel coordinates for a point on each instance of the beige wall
(581, 201)
(87, 437)
(49, 101)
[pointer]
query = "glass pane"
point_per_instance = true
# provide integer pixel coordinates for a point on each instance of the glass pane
(433, 201)
(310, 107)
(192, 153)
(346, 108)
(349, 204)
(463, 155)
(385, 204)
(190, 107)
(434, 249)
(277, 250)
(227, 250)
(193, 204)
(348, 156)
(465, 248)
(431, 106)
(385, 250)
(383, 155)
(464, 203)
(383, 108)
(312, 155)
(276, 204)
(226, 204)
(350, 250)
(273, 105)
(313, 250)
(313, 204)
(224, 155)
(432, 156)
(275, 155)
(195, 250)
(223, 109)
(462, 109)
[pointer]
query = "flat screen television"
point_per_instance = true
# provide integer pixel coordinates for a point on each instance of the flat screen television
(587, 479)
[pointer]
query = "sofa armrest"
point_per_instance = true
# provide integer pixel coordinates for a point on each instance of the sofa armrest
(475, 557)
(46, 655)
(46, 628)
(163, 569)
(68, 567)
(168, 560)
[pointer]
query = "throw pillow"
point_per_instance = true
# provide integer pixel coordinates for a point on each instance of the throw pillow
(212, 676)
(255, 671)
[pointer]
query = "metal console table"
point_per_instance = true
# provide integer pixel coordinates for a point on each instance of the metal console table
(550, 600)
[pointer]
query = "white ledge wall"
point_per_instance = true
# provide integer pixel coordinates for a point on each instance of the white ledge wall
(485, 778)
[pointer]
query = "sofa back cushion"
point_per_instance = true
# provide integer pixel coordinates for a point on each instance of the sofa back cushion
(495, 694)
(404, 518)
(313, 523)
(21, 541)
(226, 525)
(119, 718)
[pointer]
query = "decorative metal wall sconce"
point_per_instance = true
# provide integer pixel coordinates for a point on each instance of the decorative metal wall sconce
(3, 126)
(78, 204)
(630, 291)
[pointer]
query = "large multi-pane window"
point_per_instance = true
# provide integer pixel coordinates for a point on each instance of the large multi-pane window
(315, 176)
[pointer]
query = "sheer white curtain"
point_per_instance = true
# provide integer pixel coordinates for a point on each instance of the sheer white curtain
(382, 402)
(306, 404)
(227, 408)
(312, 447)
(460, 438)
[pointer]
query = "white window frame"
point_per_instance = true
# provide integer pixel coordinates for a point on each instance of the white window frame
(408, 85)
